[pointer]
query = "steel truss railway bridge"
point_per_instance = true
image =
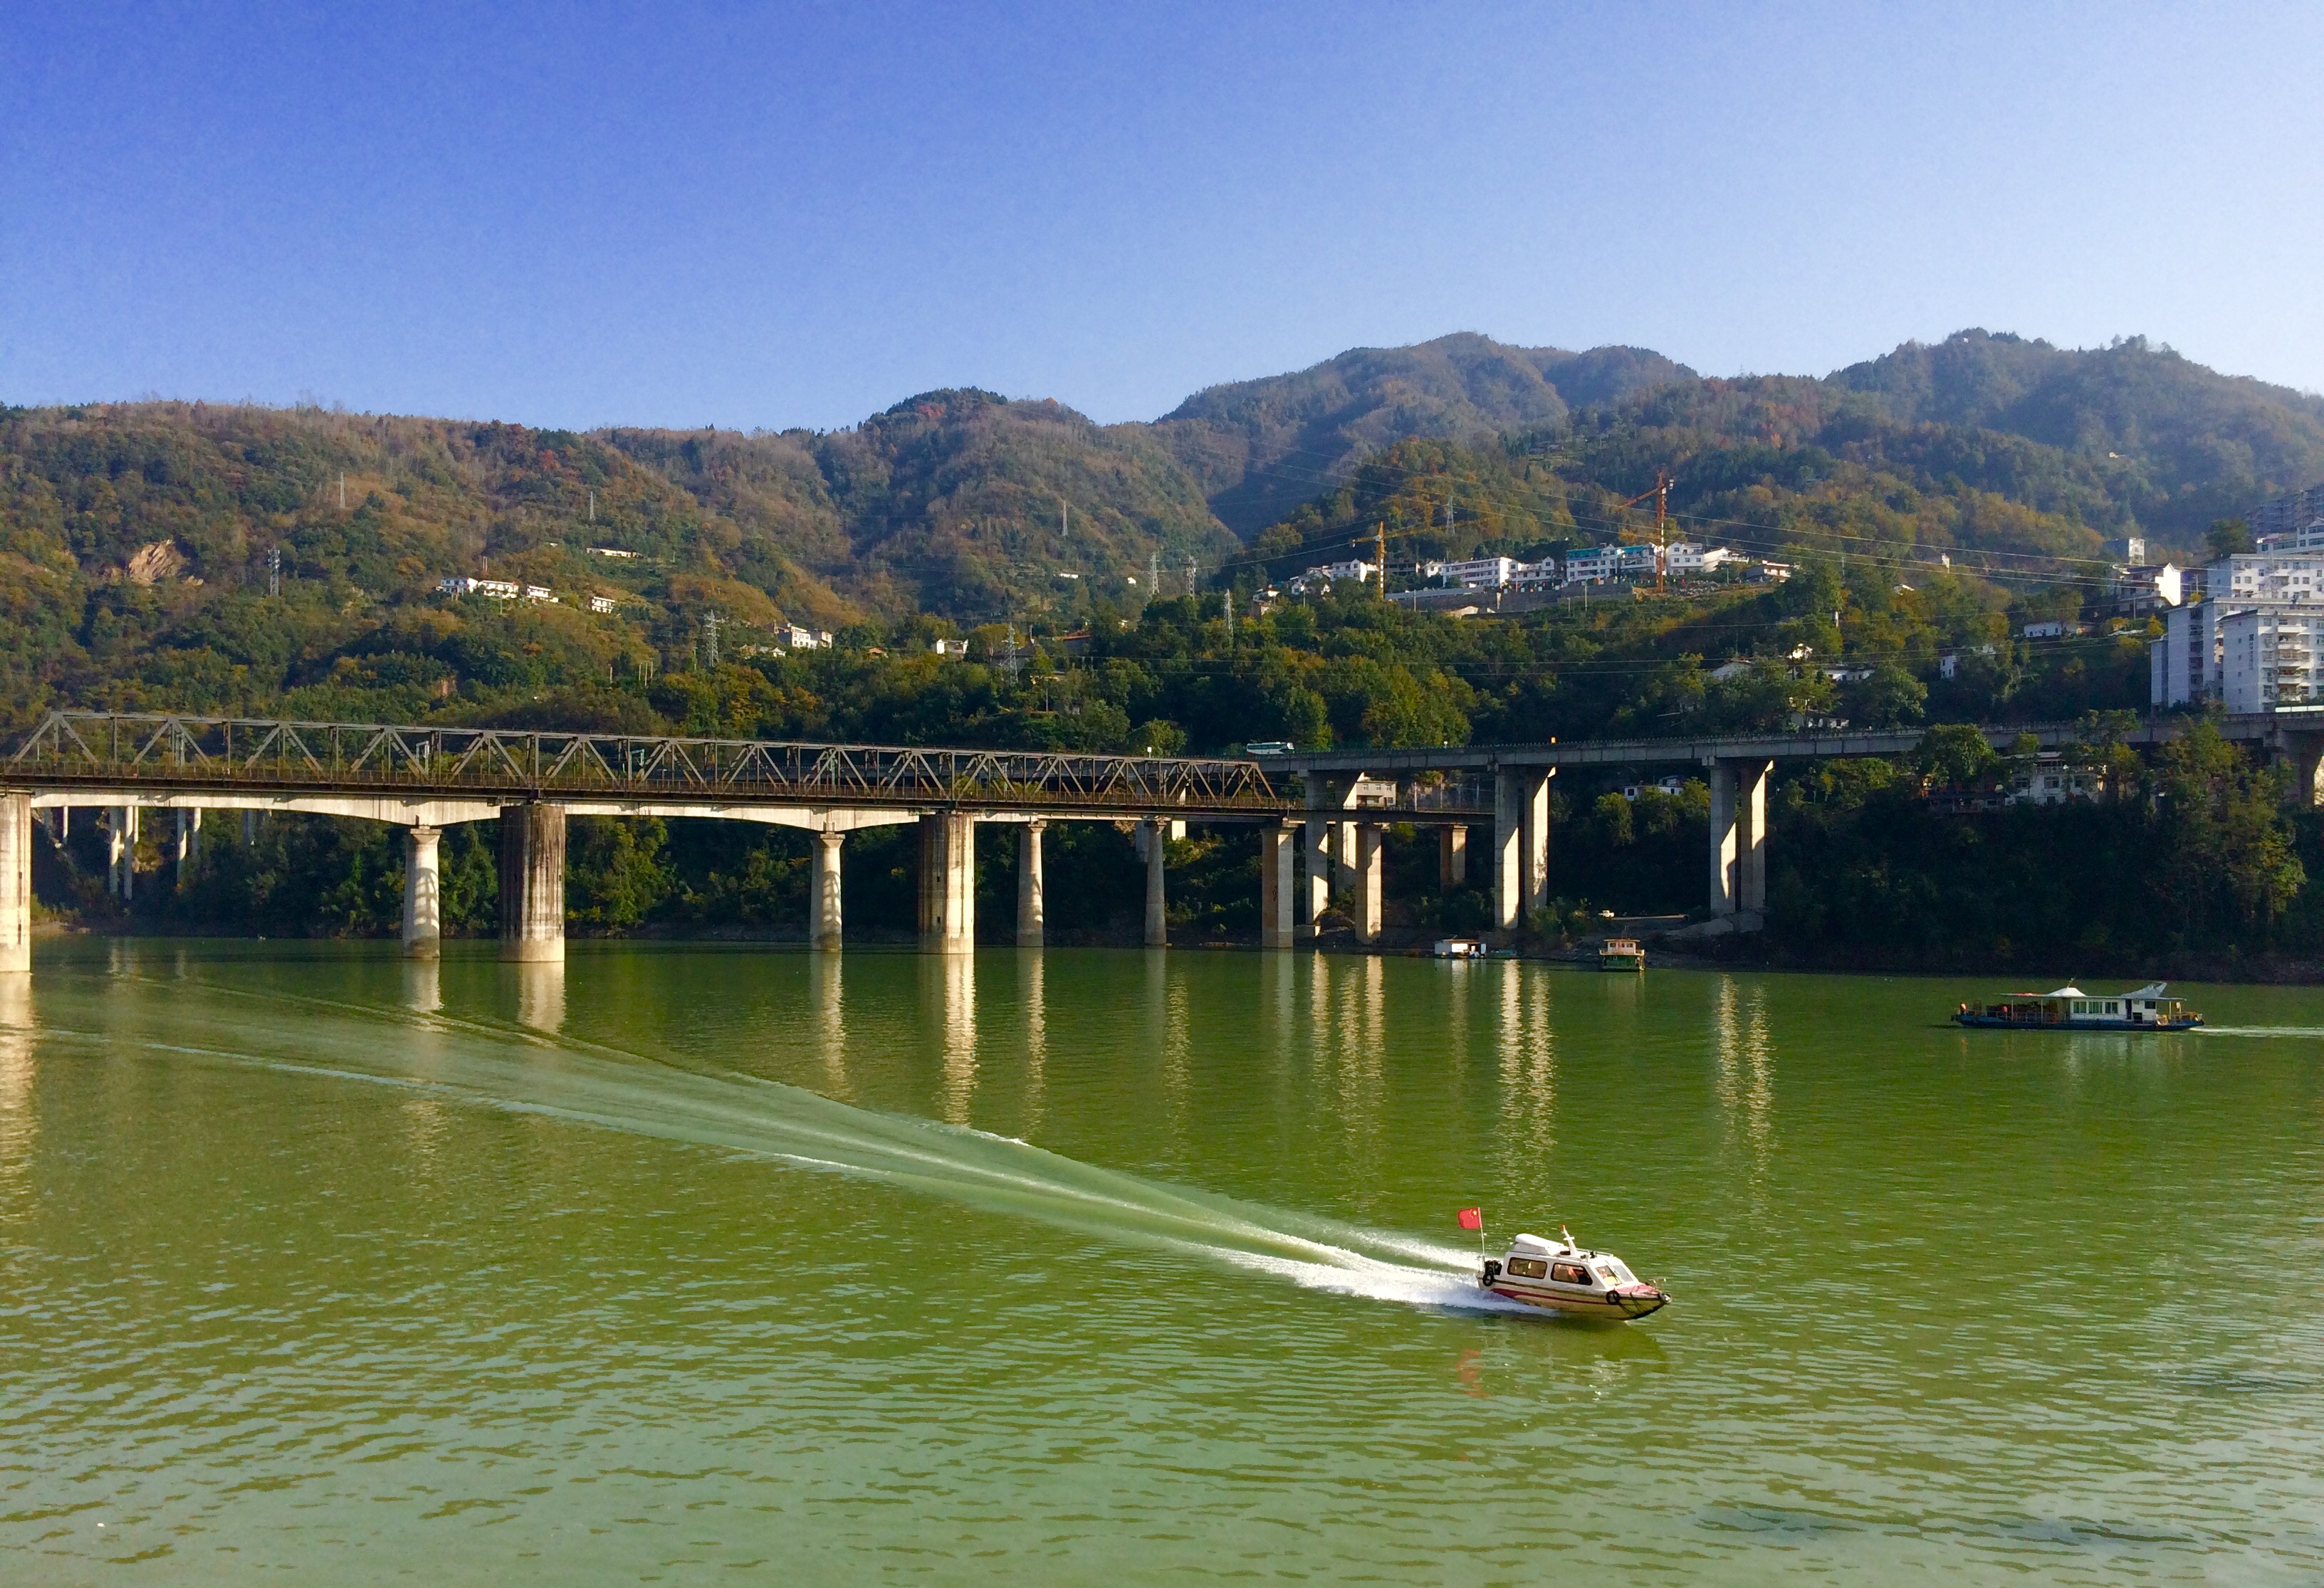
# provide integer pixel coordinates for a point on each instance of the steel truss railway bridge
(1328, 810)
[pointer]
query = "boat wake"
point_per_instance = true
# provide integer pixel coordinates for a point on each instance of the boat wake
(520, 1071)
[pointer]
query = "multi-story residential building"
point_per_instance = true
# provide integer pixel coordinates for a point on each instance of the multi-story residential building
(1593, 564)
(1478, 573)
(2266, 576)
(2269, 604)
(2268, 657)
(2299, 514)
(1683, 557)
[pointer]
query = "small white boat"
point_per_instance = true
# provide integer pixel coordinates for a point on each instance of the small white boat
(1562, 1277)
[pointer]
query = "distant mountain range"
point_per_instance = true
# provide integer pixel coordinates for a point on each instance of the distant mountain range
(985, 507)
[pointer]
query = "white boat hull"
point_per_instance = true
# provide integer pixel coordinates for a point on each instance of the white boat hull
(1635, 1301)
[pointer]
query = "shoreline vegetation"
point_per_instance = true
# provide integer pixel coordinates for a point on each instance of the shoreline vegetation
(1116, 589)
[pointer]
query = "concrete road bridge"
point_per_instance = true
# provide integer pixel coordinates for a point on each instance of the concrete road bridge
(1332, 807)
(1509, 787)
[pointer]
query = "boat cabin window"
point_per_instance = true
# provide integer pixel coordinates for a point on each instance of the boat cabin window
(1605, 1273)
(1570, 1273)
(1527, 1267)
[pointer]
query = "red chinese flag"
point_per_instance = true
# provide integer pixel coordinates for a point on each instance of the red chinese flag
(1472, 1218)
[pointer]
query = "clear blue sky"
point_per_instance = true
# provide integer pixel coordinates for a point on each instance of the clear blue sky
(774, 216)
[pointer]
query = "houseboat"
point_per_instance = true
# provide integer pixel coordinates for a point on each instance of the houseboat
(1559, 1276)
(1459, 948)
(1621, 953)
(2071, 1009)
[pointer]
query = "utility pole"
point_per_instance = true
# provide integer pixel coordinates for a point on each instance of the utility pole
(1380, 551)
(1190, 578)
(1662, 536)
(710, 622)
(1154, 575)
(593, 507)
(274, 570)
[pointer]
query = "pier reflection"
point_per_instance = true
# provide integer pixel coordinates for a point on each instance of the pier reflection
(1746, 1069)
(1032, 998)
(18, 1125)
(539, 994)
(828, 1000)
(1528, 1074)
(954, 977)
(423, 985)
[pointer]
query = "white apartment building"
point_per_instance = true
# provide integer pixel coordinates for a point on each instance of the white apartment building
(1683, 557)
(2266, 576)
(1482, 573)
(2250, 645)
(505, 589)
(2268, 657)
(1592, 563)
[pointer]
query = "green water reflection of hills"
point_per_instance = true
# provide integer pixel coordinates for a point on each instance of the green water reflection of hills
(1088, 1265)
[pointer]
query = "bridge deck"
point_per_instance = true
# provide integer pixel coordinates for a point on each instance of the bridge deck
(211, 755)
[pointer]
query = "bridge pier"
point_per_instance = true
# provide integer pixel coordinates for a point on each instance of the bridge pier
(16, 884)
(1738, 839)
(1451, 856)
(423, 893)
(2304, 754)
(1343, 859)
(1154, 836)
(1520, 843)
(189, 837)
(1276, 888)
(121, 852)
(1315, 879)
(947, 883)
(1032, 909)
(532, 882)
(824, 924)
(1371, 842)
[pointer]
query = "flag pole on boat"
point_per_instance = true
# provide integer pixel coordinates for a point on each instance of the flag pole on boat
(1473, 1218)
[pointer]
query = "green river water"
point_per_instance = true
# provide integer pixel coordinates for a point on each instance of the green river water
(694, 1263)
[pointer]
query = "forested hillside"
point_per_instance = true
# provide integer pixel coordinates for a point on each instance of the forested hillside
(1934, 503)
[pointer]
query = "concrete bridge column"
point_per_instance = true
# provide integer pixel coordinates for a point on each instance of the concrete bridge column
(189, 837)
(423, 893)
(1315, 879)
(823, 927)
(1520, 843)
(1535, 824)
(16, 884)
(1371, 843)
(2303, 756)
(1276, 888)
(1451, 856)
(121, 852)
(1158, 918)
(1738, 836)
(532, 882)
(1343, 859)
(1032, 910)
(947, 883)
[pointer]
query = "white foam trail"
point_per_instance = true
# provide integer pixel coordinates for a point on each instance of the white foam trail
(524, 1071)
(2311, 1032)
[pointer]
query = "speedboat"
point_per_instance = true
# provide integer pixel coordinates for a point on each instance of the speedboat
(1562, 1277)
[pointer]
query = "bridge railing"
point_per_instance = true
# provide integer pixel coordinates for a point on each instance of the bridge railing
(139, 747)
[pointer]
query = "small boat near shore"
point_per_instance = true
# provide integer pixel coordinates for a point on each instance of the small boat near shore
(1621, 953)
(1559, 1276)
(2149, 1008)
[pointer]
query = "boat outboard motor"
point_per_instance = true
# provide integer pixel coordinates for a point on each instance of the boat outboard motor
(1492, 1271)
